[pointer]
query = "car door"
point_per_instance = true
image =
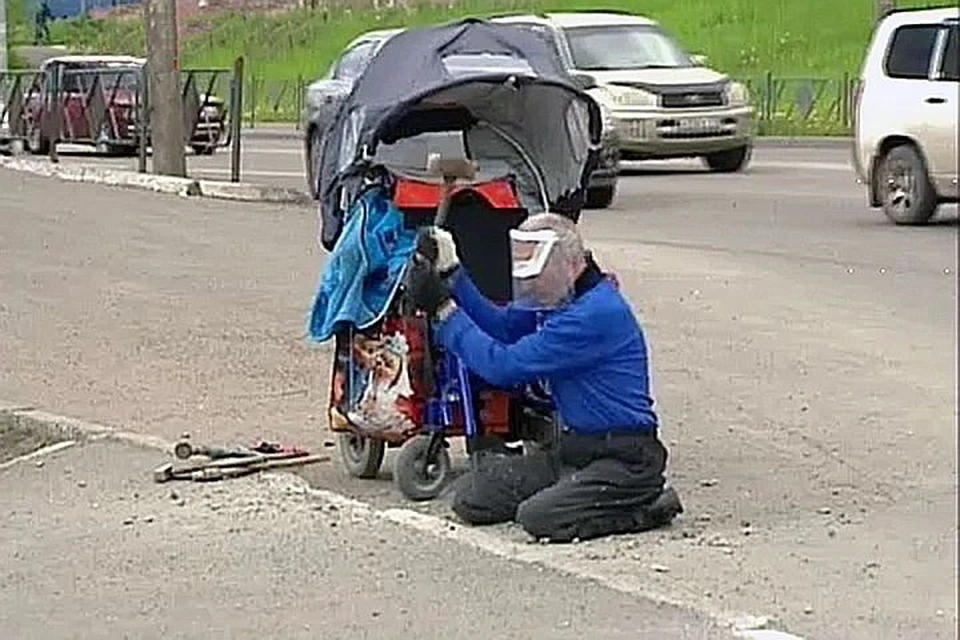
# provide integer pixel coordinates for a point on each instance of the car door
(343, 74)
(941, 105)
(907, 64)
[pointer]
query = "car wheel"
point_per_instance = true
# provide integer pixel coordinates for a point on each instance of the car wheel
(314, 148)
(906, 193)
(601, 197)
(728, 161)
(36, 143)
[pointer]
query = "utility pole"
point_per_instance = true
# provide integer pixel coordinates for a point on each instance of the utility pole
(164, 101)
(3, 36)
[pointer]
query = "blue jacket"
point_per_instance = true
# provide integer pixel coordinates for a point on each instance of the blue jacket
(592, 352)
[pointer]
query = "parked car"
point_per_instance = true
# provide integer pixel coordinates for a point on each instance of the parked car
(105, 117)
(905, 141)
(663, 101)
(323, 98)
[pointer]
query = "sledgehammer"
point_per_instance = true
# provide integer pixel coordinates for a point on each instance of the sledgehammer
(221, 469)
(450, 169)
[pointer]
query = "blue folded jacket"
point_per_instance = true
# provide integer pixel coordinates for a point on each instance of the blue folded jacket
(365, 268)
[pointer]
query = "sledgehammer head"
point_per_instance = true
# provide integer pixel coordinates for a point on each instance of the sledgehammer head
(450, 169)
(163, 473)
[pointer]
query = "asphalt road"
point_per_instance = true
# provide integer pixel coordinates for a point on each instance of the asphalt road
(274, 155)
(804, 363)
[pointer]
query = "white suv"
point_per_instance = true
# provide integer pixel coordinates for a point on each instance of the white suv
(905, 145)
(662, 101)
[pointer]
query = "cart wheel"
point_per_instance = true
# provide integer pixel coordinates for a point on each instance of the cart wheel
(361, 456)
(415, 482)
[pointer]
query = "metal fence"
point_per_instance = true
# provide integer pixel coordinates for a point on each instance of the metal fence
(798, 106)
(784, 105)
(109, 108)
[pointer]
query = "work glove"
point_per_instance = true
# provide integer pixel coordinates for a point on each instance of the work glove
(437, 246)
(426, 288)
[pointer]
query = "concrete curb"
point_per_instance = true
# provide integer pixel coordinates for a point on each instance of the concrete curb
(75, 431)
(186, 187)
(280, 132)
(248, 192)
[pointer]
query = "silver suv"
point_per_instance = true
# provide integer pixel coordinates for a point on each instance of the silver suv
(663, 102)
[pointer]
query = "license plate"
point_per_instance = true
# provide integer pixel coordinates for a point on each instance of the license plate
(699, 124)
(635, 129)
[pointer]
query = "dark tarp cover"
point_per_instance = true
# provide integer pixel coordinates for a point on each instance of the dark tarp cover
(500, 84)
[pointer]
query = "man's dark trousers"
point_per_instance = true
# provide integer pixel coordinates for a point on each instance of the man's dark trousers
(589, 486)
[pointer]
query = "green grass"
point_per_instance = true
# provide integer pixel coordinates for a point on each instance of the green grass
(746, 38)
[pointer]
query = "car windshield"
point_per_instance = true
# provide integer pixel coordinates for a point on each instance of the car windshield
(615, 47)
(125, 79)
(112, 77)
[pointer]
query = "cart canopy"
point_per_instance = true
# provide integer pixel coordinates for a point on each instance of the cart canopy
(500, 85)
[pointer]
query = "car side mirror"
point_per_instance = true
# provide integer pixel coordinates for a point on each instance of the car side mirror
(699, 59)
(584, 80)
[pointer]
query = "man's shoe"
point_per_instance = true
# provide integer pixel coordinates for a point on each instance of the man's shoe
(661, 511)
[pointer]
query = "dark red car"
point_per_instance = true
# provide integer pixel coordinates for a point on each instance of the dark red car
(99, 106)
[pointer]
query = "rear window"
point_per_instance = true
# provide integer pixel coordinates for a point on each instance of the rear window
(459, 65)
(910, 51)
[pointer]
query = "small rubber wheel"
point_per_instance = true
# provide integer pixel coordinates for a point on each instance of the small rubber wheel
(601, 197)
(907, 195)
(413, 481)
(728, 161)
(361, 456)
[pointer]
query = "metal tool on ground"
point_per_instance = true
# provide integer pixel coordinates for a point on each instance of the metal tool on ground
(233, 467)
(184, 449)
(227, 462)
(221, 473)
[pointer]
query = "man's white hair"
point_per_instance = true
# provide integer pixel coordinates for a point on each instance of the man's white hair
(569, 242)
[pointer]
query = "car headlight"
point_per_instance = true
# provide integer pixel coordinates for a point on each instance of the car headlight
(737, 94)
(631, 97)
(605, 102)
(211, 111)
